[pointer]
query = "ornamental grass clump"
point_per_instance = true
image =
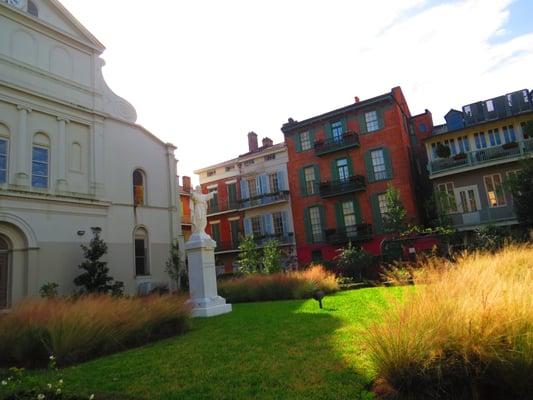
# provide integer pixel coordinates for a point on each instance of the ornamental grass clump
(77, 329)
(465, 333)
(278, 286)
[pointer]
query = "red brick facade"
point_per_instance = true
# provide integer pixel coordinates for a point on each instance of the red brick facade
(392, 135)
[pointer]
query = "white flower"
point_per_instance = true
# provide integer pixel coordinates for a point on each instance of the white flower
(40, 396)
(52, 358)
(91, 397)
(49, 386)
(60, 381)
(58, 391)
(4, 383)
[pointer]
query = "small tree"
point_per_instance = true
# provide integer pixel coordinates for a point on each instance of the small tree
(271, 257)
(249, 258)
(95, 279)
(175, 267)
(394, 216)
(352, 261)
(521, 187)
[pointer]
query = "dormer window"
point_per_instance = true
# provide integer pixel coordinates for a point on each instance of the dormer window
(32, 9)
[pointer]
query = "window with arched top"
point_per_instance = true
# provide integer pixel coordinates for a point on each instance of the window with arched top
(32, 9)
(139, 192)
(141, 252)
(4, 153)
(40, 161)
(4, 269)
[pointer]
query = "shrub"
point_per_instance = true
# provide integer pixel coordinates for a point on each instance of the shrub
(78, 329)
(49, 290)
(249, 258)
(466, 333)
(278, 286)
(352, 261)
(443, 151)
(271, 257)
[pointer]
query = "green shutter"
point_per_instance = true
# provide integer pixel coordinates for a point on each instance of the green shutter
(369, 168)
(357, 211)
(312, 137)
(334, 171)
(327, 130)
(322, 221)
(339, 214)
(376, 215)
(362, 123)
(317, 177)
(298, 142)
(307, 222)
(350, 166)
(344, 126)
(381, 119)
(303, 188)
(388, 162)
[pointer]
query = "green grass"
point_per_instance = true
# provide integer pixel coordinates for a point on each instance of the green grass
(270, 350)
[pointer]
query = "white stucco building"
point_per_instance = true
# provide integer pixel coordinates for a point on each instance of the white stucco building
(71, 158)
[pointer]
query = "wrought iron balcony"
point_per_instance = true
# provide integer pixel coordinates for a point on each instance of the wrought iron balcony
(510, 151)
(226, 246)
(352, 184)
(346, 141)
(286, 238)
(222, 206)
(264, 199)
(351, 233)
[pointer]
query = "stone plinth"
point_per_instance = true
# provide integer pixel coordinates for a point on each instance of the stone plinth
(202, 277)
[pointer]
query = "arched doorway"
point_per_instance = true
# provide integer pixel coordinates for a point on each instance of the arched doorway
(4, 272)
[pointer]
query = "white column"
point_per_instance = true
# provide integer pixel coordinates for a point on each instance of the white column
(23, 147)
(62, 155)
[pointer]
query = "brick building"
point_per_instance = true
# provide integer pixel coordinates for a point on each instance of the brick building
(252, 199)
(340, 164)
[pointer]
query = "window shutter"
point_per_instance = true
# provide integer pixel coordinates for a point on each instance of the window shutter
(312, 137)
(327, 130)
(376, 215)
(344, 126)
(362, 123)
(281, 180)
(245, 193)
(334, 171)
(369, 167)
(357, 211)
(317, 177)
(297, 142)
(322, 221)
(268, 228)
(339, 215)
(303, 189)
(307, 222)
(388, 162)
(285, 221)
(350, 166)
(264, 184)
(381, 119)
(247, 227)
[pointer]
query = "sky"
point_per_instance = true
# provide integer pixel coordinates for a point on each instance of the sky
(203, 73)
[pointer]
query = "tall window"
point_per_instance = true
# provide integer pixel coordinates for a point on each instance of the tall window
(305, 141)
(141, 252)
(494, 137)
(481, 140)
(235, 231)
(315, 224)
(232, 195)
(213, 202)
(310, 180)
(342, 170)
(277, 219)
(252, 187)
(464, 144)
(508, 134)
(3, 160)
(215, 232)
(467, 197)
(40, 167)
(337, 130)
(494, 187)
(382, 203)
(274, 184)
(256, 227)
(447, 200)
(372, 123)
(378, 164)
(138, 188)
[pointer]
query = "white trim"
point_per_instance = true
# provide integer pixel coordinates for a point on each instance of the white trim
(234, 218)
(493, 184)
(230, 182)
(213, 186)
(214, 222)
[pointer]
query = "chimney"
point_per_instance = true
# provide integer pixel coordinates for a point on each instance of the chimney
(252, 141)
(186, 182)
(356, 98)
(267, 142)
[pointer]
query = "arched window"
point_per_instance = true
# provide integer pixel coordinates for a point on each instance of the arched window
(4, 268)
(40, 161)
(32, 9)
(139, 193)
(4, 153)
(141, 252)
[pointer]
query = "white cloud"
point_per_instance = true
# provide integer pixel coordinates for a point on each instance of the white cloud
(202, 74)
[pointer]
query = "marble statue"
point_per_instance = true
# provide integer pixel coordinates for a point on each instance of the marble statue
(198, 204)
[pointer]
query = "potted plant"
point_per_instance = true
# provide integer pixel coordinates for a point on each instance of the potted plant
(510, 145)
(460, 156)
(443, 151)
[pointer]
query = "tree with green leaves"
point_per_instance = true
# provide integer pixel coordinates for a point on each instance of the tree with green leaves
(521, 187)
(353, 260)
(395, 214)
(249, 258)
(271, 257)
(175, 267)
(96, 277)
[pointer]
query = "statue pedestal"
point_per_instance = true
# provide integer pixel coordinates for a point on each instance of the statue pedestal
(202, 277)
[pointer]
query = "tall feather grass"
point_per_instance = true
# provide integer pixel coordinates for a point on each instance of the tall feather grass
(74, 330)
(279, 286)
(465, 333)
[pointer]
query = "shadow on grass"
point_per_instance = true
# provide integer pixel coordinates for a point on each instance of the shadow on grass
(270, 350)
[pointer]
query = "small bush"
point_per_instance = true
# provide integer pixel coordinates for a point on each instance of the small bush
(465, 333)
(49, 290)
(78, 329)
(279, 286)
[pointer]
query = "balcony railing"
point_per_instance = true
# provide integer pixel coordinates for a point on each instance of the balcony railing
(285, 238)
(351, 233)
(263, 199)
(335, 188)
(346, 141)
(222, 206)
(483, 216)
(226, 246)
(506, 151)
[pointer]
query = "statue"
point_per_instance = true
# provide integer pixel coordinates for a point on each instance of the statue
(198, 204)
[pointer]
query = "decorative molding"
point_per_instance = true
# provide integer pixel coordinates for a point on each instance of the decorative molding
(24, 107)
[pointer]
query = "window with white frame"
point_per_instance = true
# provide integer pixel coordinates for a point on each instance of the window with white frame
(372, 122)
(342, 170)
(464, 144)
(310, 180)
(316, 224)
(337, 130)
(274, 184)
(348, 213)
(252, 187)
(382, 203)
(40, 167)
(256, 227)
(494, 137)
(277, 219)
(481, 140)
(490, 105)
(494, 190)
(305, 140)
(447, 197)
(378, 164)
(509, 135)
(3, 159)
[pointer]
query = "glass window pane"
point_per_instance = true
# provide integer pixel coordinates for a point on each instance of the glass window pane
(316, 225)
(39, 181)
(378, 164)
(305, 141)
(336, 130)
(3, 146)
(371, 119)
(40, 154)
(3, 162)
(2, 176)
(38, 168)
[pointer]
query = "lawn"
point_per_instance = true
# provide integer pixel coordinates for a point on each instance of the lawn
(270, 350)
